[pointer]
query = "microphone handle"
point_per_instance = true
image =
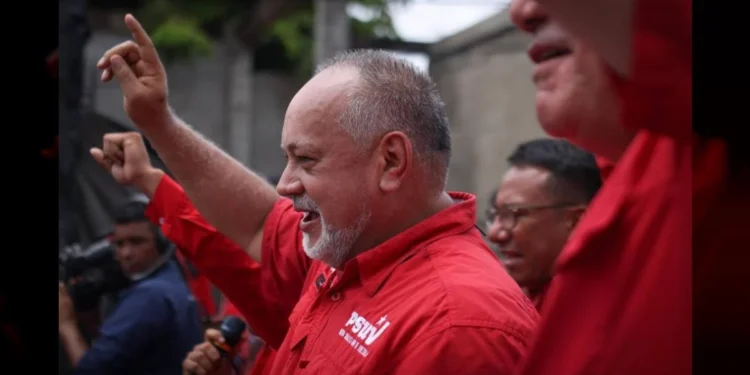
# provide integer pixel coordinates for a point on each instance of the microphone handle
(224, 351)
(223, 348)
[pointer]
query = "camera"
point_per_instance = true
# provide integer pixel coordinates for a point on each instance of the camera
(91, 273)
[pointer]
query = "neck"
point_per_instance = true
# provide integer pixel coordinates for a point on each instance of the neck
(163, 259)
(405, 216)
(432, 206)
(614, 146)
(534, 292)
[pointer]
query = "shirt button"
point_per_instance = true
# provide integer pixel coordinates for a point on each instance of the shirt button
(161, 221)
(335, 296)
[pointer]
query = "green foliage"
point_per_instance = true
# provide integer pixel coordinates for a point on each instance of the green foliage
(295, 34)
(295, 31)
(381, 24)
(180, 39)
(204, 12)
(181, 28)
(178, 27)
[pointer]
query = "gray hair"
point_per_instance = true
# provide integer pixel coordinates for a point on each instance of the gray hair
(393, 95)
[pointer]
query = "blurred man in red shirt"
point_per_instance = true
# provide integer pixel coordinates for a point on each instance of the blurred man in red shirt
(367, 264)
(615, 77)
(199, 285)
(540, 200)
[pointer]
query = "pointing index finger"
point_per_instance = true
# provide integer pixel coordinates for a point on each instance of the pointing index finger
(141, 38)
(139, 34)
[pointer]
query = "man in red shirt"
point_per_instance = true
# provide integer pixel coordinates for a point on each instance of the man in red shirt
(615, 78)
(540, 200)
(370, 266)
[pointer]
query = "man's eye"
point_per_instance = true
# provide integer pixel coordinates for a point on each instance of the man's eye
(303, 159)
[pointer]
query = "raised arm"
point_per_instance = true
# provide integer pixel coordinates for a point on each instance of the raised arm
(125, 156)
(232, 198)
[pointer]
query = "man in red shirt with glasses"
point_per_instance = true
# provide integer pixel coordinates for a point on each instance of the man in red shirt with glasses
(538, 203)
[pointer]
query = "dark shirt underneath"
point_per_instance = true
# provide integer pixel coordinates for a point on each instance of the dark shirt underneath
(153, 327)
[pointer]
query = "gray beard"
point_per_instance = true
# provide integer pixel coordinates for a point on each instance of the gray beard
(335, 245)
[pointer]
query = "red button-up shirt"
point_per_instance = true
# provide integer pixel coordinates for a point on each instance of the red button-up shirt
(620, 303)
(432, 300)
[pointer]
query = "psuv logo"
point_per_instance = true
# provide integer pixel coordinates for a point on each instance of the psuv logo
(360, 333)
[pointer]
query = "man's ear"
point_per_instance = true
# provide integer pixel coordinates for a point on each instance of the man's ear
(396, 156)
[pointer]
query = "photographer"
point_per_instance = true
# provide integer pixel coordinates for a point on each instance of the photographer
(155, 322)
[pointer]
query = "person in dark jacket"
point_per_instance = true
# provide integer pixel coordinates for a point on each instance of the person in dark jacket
(156, 320)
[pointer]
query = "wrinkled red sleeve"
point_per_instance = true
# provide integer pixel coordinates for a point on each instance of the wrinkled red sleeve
(464, 350)
(265, 294)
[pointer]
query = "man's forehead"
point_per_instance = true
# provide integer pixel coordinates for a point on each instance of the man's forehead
(326, 90)
(522, 181)
(315, 109)
(136, 227)
(525, 175)
(307, 134)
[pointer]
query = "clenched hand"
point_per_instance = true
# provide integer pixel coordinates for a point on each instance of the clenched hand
(205, 359)
(124, 155)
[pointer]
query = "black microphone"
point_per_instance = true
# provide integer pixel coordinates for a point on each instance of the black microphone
(231, 329)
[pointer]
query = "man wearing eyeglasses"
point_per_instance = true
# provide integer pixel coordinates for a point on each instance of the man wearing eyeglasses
(536, 206)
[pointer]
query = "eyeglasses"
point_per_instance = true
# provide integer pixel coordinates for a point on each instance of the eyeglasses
(508, 216)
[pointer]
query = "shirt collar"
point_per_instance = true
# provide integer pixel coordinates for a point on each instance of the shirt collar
(538, 298)
(605, 166)
(375, 265)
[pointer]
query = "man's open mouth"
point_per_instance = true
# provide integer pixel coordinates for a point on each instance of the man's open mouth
(544, 52)
(554, 53)
(310, 216)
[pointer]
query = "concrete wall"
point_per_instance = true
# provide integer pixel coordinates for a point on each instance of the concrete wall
(483, 75)
(197, 91)
(272, 93)
(220, 96)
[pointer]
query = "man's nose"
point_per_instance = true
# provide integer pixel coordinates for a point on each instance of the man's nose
(289, 185)
(528, 15)
(125, 252)
(497, 234)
